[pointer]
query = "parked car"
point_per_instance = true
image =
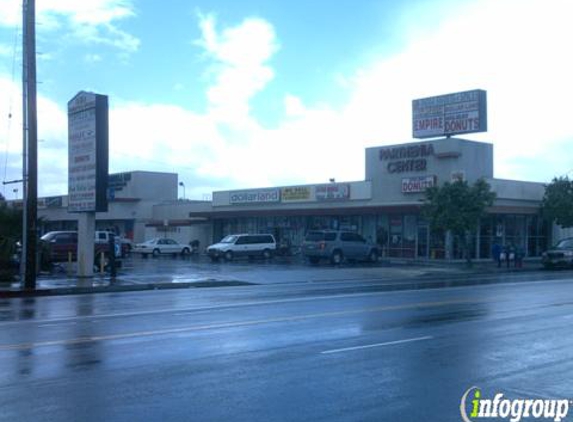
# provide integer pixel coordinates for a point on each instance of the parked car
(251, 245)
(336, 246)
(63, 245)
(560, 255)
(162, 245)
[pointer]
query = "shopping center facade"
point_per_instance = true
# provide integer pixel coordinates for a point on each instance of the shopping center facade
(384, 207)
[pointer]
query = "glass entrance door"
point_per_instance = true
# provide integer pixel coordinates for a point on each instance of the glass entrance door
(422, 250)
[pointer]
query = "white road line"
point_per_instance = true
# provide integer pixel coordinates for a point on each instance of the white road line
(369, 346)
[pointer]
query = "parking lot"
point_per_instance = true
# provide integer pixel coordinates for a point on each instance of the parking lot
(136, 269)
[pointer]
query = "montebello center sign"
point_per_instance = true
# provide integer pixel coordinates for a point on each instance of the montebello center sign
(451, 114)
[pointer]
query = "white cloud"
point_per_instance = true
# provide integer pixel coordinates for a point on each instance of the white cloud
(240, 54)
(5, 50)
(92, 58)
(52, 140)
(90, 21)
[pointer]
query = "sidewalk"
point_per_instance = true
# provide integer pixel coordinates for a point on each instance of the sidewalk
(477, 266)
(405, 272)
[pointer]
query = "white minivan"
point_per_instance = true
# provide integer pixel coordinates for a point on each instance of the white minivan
(249, 245)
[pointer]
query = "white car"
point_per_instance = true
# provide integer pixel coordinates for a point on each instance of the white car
(161, 246)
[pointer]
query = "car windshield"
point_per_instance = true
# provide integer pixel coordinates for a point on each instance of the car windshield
(319, 236)
(565, 244)
(47, 237)
(229, 239)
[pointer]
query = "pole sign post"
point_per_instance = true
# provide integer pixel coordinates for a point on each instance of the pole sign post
(452, 114)
(87, 170)
(88, 152)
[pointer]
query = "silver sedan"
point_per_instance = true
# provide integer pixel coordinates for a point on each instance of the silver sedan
(159, 246)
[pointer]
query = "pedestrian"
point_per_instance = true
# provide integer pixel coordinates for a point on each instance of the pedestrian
(503, 255)
(496, 253)
(510, 254)
(519, 254)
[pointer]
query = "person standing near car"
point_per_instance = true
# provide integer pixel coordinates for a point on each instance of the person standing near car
(510, 254)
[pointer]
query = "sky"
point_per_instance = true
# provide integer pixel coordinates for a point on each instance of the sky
(234, 94)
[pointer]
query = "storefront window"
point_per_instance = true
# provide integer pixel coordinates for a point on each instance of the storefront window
(537, 235)
(437, 244)
(487, 237)
(458, 247)
(409, 238)
(382, 234)
(395, 236)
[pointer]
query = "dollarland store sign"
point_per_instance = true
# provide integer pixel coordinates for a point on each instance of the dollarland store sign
(417, 184)
(452, 114)
(87, 153)
(254, 196)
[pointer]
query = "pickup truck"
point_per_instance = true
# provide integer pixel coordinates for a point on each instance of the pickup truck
(102, 236)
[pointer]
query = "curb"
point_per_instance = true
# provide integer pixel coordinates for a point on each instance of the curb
(64, 291)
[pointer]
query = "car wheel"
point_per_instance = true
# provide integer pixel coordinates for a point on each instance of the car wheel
(267, 254)
(229, 256)
(156, 252)
(314, 260)
(185, 251)
(373, 256)
(336, 258)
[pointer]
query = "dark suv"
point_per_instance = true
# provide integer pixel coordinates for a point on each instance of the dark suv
(560, 255)
(337, 246)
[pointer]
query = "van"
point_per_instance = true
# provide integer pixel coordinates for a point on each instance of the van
(250, 245)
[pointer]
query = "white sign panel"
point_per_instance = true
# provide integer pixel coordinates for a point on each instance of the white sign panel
(82, 153)
(417, 184)
(254, 196)
(332, 192)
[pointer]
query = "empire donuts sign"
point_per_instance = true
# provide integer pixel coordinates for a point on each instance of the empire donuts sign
(451, 114)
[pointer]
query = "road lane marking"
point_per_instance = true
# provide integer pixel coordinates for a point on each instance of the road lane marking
(233, 324)
(369, 346)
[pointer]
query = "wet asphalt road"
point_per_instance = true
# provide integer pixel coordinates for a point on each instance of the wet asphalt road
(285, 352)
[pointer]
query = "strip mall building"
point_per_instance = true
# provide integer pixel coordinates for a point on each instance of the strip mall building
(384, 207)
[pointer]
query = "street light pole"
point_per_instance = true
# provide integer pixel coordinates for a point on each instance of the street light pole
(183, 185)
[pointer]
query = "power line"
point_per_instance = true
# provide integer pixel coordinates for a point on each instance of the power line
(11, 100)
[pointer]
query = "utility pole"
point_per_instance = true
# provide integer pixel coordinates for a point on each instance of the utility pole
(30, 194)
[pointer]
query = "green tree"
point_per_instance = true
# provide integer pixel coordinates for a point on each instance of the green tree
(557, 203)
(10, 232)
(458, 207)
